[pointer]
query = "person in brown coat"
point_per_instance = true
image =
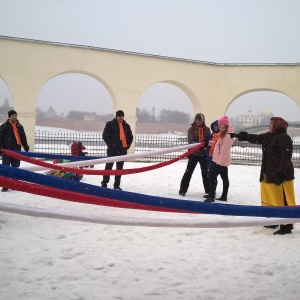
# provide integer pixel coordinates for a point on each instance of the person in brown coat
(277, 170)
(197, 133)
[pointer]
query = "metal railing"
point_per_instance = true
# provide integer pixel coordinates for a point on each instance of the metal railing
(59, 143)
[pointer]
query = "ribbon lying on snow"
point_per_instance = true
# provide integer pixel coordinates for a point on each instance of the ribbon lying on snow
(130, 197)
(99, 172)
(148, 222)
(128, 157)
(77, 197)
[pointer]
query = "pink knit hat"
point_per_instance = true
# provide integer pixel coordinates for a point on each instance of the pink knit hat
(224, 120)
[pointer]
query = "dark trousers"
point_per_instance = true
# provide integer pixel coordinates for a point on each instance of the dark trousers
(9, 161)
(192, 162)
(214, 172)
(109, 166)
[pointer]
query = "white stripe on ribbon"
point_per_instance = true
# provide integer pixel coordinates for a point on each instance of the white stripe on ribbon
(128, 157)
(146, 222)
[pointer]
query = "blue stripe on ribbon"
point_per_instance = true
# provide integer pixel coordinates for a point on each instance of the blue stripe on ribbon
(187, 205)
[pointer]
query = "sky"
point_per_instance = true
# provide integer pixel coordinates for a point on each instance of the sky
(43, 258)
(231, 31)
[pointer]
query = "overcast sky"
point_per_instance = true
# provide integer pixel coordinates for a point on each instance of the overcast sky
(223, 31)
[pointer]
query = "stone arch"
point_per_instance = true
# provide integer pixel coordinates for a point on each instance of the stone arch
(189, 92)
(75, 91)
(183, 87)
(89, 74)
(266, 102)
(260, 90)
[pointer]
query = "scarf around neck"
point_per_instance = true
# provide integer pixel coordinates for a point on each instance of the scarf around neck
(215, 138)
(16, 133)
(122, 135)
(200, 134)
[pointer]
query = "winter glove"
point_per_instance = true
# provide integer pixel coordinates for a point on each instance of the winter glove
(243, 136)
(279, 178)
(234, 135)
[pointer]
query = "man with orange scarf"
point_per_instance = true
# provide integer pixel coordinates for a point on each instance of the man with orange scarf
(277, 170)
(12, 137)
(197, 133)
(118, 137)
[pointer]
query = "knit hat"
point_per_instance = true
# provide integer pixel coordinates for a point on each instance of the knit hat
(224, 120)
(199, 117)
(279, 123)
(11, 112)
(120, 113)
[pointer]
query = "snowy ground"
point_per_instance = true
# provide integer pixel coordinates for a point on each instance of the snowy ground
(56, 259)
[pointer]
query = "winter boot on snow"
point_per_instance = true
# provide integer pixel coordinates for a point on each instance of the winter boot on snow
(284, 229)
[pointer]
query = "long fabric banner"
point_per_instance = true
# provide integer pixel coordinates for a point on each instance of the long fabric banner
(135, 198)
(146, 222)
(128, 157)
(98, 172)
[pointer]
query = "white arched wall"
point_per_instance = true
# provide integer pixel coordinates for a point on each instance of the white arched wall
(27, 65)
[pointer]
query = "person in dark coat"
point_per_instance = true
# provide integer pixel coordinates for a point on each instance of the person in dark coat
(214, 136)
(277, 170)
(197, 133)
(118, 137)
(12, 137)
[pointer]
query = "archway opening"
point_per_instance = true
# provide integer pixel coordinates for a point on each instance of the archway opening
(6, 103)
(255, 109)
(74, 101)
(164, 107)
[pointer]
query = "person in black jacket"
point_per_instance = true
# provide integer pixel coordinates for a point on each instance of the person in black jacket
(118, 137)
(12, 137)
(277, 170)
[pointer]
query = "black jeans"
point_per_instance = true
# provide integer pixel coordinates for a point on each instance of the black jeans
(109, 166)
(214, 172)
(192, 162)
(9, 161)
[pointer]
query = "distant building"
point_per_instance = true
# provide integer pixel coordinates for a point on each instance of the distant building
(5, 107)
(250, 119)
(50, 113)
(90, 118)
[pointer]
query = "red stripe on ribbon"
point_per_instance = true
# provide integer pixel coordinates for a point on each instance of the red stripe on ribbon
(77, 197)
(98, 172)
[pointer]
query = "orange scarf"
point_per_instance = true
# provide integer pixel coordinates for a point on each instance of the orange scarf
(16, 133)
(200, 134)
(215, 138)
(122, 136)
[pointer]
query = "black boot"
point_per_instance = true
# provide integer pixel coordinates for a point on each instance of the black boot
(284, 229)
(222, 198)
(210, 199)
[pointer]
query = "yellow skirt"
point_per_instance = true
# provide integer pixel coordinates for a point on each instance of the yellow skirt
(277, 195)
